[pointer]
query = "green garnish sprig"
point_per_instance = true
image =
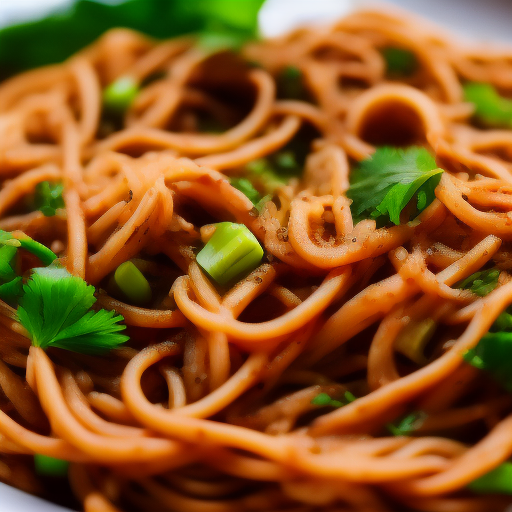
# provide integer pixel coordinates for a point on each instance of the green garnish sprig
(325, 400)
(480, 283)
(56, 311)
(384, 184)
(48, 197)
(408, 424)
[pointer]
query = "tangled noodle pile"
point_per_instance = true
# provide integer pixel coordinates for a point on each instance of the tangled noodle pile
(211, 404)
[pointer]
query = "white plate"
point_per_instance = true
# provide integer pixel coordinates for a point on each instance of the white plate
(489, 20)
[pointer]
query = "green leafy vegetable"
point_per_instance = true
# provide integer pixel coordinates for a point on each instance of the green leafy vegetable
(60, 35)
(247, 188)
(480, 283)
(48, 198)
(493, 354)
(49, 466)
(491, 109)
(55, 310)
(231, 252)
(382, 185)
(399, 61)
(499, 480)
(11, 291)
(120, 94)
(132, 283)
(408, 424)
(324, 400)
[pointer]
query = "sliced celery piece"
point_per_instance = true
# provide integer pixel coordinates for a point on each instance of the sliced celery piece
(231, 252)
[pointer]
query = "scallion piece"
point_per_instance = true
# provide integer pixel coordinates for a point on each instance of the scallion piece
(119, 95)
(497, 481)
(231, 252)
(48, 198)
(49, 466)
(132, 283)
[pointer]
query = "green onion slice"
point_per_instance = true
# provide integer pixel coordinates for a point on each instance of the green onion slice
(231, 252)
(132, 283)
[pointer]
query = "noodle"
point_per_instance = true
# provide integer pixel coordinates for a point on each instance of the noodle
(213, 404)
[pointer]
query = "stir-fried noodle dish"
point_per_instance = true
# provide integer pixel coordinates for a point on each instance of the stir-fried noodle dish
(271, 279)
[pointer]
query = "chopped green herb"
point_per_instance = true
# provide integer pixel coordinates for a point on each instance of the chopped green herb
(497, 481)
(49, 466)
(493, 354)
(491, 109)
(502, 323)
(60, 35)
(247, 188)
(132, 283)
(408, 424)
(56, 311)
(119, 95)
(480, 283)
(11, 291)
(231, 252)
(324, 400)
(48, 198)
(382, 185)
(399, 61)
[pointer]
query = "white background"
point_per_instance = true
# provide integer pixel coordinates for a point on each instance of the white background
(482, 20)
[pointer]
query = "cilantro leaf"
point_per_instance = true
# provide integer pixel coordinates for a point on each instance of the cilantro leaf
(325, 400)
(408, 424)
(247, 188)
(55, 310)
(11, 291)
(491, 109)
(382, 185)
(480, 283)
(493, 354)
(48, 198)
